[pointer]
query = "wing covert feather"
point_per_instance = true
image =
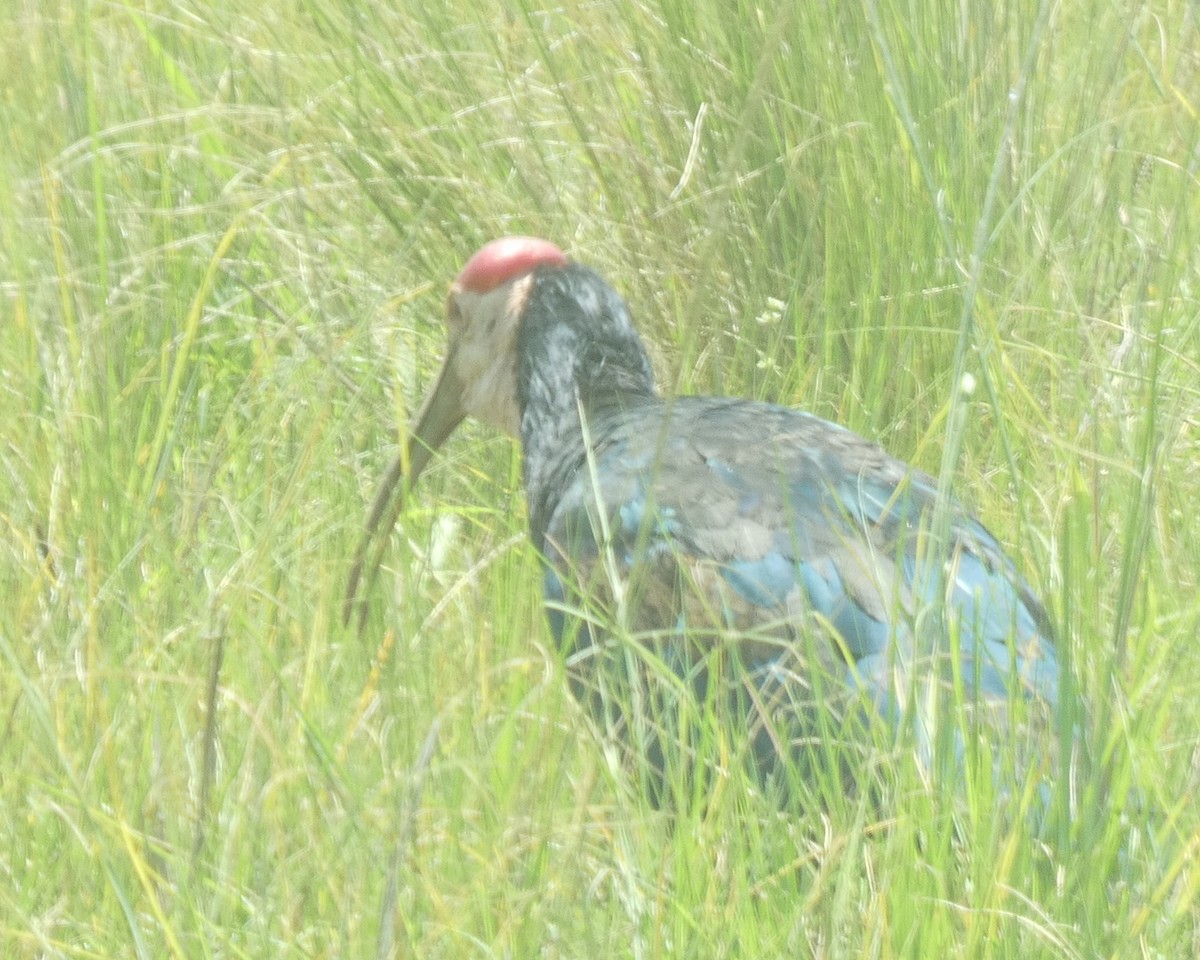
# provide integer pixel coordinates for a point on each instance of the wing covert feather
(807, 523)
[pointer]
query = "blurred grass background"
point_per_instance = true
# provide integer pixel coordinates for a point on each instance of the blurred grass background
(225, 237)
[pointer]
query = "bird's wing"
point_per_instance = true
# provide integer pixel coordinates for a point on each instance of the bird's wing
(750, 520)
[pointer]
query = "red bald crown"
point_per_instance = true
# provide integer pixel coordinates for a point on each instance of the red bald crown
(504, 259)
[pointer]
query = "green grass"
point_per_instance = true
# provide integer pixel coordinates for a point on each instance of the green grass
(224, 241)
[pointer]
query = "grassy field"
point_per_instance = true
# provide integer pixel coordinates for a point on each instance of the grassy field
(225, 239)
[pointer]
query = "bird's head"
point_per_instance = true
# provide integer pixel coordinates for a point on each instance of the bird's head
(484, 312)
(478, 378)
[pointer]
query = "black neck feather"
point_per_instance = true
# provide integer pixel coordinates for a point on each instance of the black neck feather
(577, 350)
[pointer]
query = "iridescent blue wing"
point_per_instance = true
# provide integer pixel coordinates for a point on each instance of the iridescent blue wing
(806, 552)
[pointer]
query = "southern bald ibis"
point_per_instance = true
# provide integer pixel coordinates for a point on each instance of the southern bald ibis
(754, 558)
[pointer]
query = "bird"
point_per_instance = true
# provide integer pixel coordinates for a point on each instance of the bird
(715, 563)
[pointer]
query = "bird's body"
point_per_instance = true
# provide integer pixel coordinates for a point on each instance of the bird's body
(816, 576)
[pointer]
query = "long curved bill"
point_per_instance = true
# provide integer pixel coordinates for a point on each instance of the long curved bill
(439, 415)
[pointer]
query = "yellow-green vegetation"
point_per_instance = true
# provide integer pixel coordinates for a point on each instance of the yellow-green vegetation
(225, 236)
